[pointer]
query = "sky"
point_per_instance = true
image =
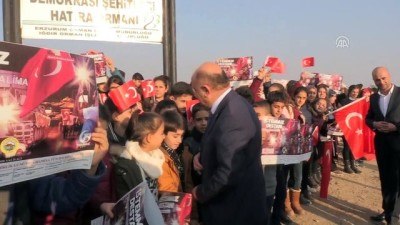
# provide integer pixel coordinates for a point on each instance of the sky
(290, 30)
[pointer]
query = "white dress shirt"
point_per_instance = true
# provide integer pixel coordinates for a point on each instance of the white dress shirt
(384, 100)
(219, 100)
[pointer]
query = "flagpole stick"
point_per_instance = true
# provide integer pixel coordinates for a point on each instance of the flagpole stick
(302, 70)
(343, 107)
(270, 77)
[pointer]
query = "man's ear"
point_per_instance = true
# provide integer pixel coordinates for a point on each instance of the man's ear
(205, 89)
(172, 98)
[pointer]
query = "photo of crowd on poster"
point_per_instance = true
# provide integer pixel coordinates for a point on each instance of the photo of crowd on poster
(237, 68)
(48, 102)
(285, 140)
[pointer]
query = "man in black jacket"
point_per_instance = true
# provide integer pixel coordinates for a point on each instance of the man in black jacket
(385, 121)
(232, 189)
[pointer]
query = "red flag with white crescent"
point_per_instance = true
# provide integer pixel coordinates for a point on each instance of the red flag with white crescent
(125, 96)
(189, 109)
(351, 120)
(315, 136)
(148, 88)
(103, 97)
(47, 71)
(271, 62)
(280, 67)
(308, 62)
(65, 114)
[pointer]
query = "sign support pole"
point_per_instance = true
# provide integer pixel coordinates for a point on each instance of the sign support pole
(11, 18)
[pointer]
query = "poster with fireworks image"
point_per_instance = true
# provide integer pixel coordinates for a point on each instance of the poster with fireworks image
(237, 68)
(307, 78)
(99, 65)
(333, 81)
(49, 108)
(285, 141)
(175, 207)
(138, 206)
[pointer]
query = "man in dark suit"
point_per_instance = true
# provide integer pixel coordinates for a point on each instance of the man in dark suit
(232, 189)
(384, 118)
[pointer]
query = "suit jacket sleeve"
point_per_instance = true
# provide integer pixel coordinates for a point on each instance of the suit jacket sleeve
(232, 154)
(374, 114)
(395, 112)
(369, 118)
(187, 165)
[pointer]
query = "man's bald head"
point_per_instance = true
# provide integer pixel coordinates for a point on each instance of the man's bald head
(210, 67)
(211, 74)
(382, 79)
(209, 82)
(379, 69)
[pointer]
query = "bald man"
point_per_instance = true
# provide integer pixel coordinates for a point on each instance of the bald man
(232, 189)
(385, 121)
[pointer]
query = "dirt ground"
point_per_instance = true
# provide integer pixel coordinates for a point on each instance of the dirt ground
(352, 199)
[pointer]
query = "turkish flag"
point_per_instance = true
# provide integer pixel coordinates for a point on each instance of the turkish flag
(280, 67)
(308, 62)
(271, 62)
(315, 136)
(369, 146)
(148, 88)
(124, 96)
(103, 97)
(189, 109)
(65, 114)
(351, 120)
(47, 72)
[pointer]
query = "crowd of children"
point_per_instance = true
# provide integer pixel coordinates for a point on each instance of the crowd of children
(155, 141)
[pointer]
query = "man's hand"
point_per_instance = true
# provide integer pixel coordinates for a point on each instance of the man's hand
(99, 136)
(385, 127)
(264, 74)
(378, 125)
(106, 208)
(196, 163)
(109, 63)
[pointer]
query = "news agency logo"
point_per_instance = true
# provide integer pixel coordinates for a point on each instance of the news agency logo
(85, 137)
(342, 42)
